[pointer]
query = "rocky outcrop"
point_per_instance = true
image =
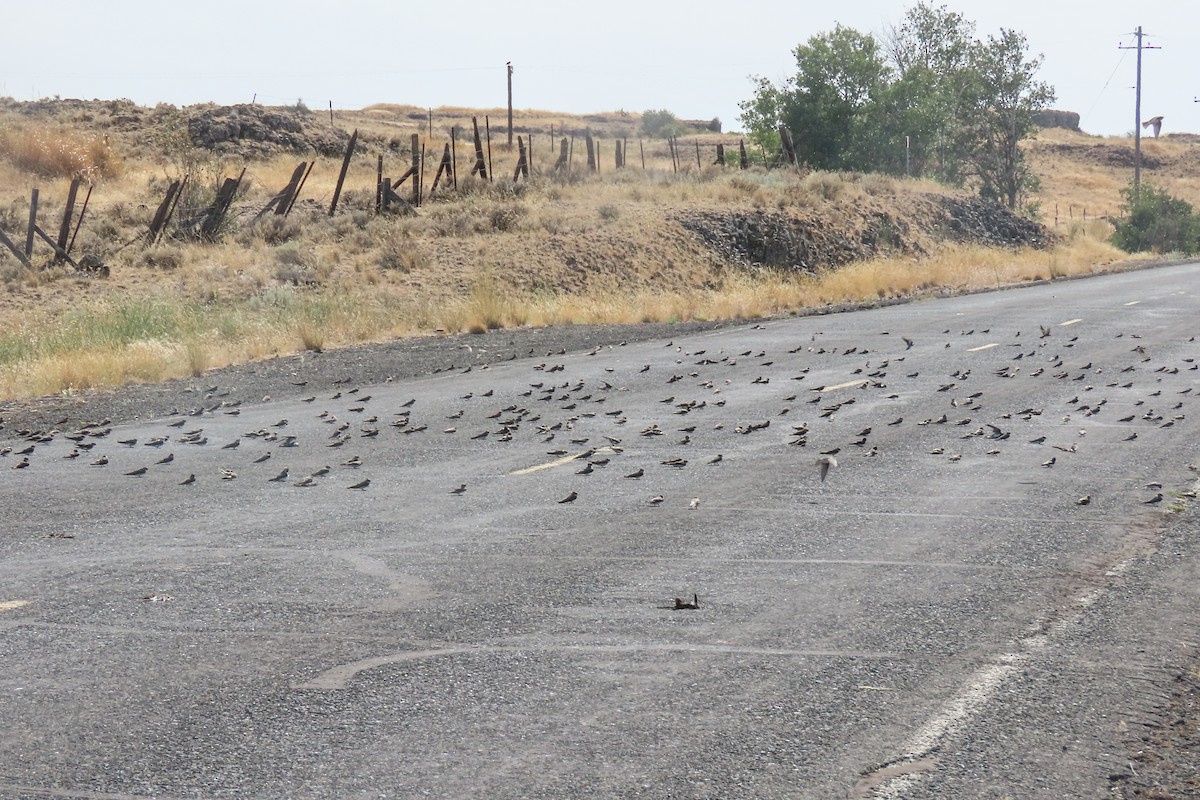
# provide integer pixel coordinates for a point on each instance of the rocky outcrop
(254, 130)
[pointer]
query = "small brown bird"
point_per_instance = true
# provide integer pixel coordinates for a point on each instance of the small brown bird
(656, 500)
(569, 498)
(138, 472)
(460, 489)
(1083, 501)
(100, 462)
(282, 476)
(228, 474)
(306, 481)
(684, 605)
(1154, 500)
(189, 480)
(363, 484)
(24, 463)
(637, 473)
(167, 459)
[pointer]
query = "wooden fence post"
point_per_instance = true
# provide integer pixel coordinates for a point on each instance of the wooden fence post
(64, 230)
(591, 151)
(304, 180)
(481, 167)
(454, 156)
(522, 162)
(79, 222)
(33, 207)
(743, 159)
(561, 164)
(16, 251)
(487, 127)
(698, 164)
(337, 191)
(720, 154)
(416, 169)
(642, 150)
(379, 184)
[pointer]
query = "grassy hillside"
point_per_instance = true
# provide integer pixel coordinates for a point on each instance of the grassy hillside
(670, 241)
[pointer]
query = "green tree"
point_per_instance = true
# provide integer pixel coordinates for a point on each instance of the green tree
(962, 105)
(839, 78)
(999, 116)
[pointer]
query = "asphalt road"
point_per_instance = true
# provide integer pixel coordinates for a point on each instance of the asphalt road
(942, 616)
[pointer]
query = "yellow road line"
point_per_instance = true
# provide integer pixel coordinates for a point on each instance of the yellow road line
(558, 462)
(983, 347)
(1069, 322)
(9, 605)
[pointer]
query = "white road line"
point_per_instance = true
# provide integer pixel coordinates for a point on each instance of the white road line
(10, 605)
(1133, 302)
(983, 347)
(903, 773)
(846, 385)
(558, 462)
(1069, 322)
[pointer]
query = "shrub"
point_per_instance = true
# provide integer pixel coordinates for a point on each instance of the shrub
(661, 123)
(1154, 220)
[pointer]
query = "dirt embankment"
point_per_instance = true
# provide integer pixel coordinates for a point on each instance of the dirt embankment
(811, 241)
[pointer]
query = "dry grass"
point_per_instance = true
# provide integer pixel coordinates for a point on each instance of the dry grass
(564, 249)
(58, 152)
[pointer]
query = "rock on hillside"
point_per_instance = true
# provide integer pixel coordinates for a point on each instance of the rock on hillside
(260, 130)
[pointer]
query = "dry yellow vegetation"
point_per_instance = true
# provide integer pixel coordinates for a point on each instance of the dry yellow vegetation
(561, 249)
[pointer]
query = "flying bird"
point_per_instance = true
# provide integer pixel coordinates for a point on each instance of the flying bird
(826, 463)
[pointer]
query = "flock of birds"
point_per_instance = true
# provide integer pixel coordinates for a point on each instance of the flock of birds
(583, 424)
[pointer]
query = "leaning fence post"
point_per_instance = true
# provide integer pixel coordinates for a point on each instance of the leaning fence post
(337, 191)
(64, 230)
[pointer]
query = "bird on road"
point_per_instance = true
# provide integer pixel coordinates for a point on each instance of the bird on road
(23, 464)
(637, 473)
(1154, 500)
(306, 481)
(824, 464)
(695, 503)
(569, 498)
(167, 459)
(656, 500)
(363, 484)
(100, 462)
(282, 476)
(461, 488)
(190, 479)
(228, 474)
(716, 459)
(138, 472)
(232, 445)
(684, 605)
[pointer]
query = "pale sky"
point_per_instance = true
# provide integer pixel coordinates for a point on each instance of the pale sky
(692, 58)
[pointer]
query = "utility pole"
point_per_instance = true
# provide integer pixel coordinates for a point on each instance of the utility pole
(510, 131)
(1137, 109)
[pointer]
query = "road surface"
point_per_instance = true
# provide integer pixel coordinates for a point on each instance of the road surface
(989, 595)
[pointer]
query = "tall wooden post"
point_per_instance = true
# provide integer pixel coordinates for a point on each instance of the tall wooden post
(487, 127)
(33, 206)
(416, 169)
(510, 122)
